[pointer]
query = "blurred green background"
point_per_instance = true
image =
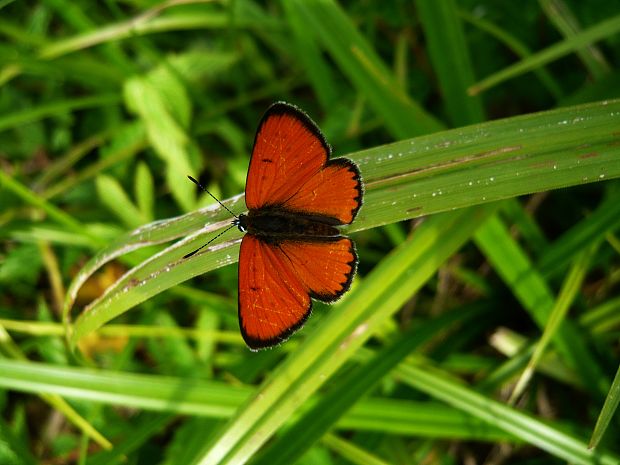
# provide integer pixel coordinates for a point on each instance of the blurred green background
(484, 324)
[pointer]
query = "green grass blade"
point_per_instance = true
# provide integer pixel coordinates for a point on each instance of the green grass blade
(220, 400)
(126, 144)
(154, 100)
(145, 191)
(158, 393)
(147, 426)
(566, 22)
(146, 23)
(517, 47)
(352, 452)
(602, 318)
(530, 288)
(532, 431)
(421, 419)
(607, 412)
(13, 450)
(55, 213)
(105, 107)
(114, 197)
(29, 115)
(363, 67)
(590, 230)
(602, 30)
(430, 174)
(54, 400)
(293, 443)
(319, 73)
(343, 331)
(565, 299)
(448, 51)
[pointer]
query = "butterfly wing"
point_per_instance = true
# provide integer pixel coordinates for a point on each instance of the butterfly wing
(273, 302)
(325, 268)
(276, 281)
(290, 168)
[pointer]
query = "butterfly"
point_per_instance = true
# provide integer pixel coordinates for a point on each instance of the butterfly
(292, 251)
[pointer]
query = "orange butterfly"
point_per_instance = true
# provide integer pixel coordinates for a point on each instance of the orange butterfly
(292, 250)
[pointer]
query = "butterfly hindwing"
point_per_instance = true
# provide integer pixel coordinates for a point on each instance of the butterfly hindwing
(290, 168)
(276, 281)
(326, 268)
(273, 302)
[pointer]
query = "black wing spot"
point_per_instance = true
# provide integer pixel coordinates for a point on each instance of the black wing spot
(266, 160)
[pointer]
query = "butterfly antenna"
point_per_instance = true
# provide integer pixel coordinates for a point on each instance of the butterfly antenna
(204, 245)
(216, 199)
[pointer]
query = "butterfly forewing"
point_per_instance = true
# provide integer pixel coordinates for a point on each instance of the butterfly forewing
(288, 150)
(290, 168)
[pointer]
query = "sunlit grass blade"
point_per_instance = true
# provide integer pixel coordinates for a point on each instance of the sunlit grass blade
(341, 333)
(427, 419)
(403, 180)
(512, 264)
(220, 400)
(147, 22)
(154, 233)
(567, 295)
(56, 401)
(114, 197)
(607, 412)
(532, 431)
(349, 450)
(157, 393)
(294, 441)
(162, 271)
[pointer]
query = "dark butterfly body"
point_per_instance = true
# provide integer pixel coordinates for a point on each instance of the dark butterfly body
(292, 251)
(274, 224)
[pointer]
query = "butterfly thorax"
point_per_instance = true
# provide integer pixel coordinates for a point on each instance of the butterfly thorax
(277, 223)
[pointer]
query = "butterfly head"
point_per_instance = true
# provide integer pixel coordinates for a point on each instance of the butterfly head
(241, 222)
